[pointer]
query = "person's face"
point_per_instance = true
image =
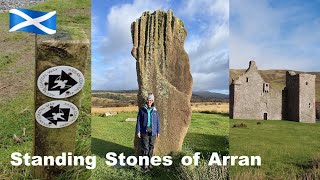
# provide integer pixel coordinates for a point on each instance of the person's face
(149, 102)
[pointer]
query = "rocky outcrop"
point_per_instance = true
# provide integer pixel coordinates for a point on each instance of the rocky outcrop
(163, 68)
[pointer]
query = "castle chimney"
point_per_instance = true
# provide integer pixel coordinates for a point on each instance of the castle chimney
(252, 66)
(291, 73)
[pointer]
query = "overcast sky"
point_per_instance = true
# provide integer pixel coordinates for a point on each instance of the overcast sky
(207, 23)
(277, 34)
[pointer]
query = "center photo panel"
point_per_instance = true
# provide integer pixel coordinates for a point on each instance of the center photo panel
(160, 96)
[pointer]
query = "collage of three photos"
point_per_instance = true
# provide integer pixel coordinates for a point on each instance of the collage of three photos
(173, 89)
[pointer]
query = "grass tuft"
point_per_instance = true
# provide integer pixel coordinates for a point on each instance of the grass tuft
(239, 125)
(202, 172)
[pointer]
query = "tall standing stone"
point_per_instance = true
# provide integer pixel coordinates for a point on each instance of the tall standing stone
(163, 68)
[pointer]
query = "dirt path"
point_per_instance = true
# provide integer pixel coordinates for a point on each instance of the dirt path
(6, 5)
(16, 62)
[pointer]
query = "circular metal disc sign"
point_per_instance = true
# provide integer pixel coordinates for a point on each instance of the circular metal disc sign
(60, 82)
(57, 114)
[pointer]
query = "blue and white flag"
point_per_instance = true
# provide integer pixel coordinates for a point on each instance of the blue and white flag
(32, 21)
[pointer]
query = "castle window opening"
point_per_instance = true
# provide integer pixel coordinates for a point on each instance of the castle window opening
(265, 87)
(307, 83)
(309, 105)
(247, 79)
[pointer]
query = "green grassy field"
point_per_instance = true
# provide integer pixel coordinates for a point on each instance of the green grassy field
(17, 103)
(289, 150)
(207, 133)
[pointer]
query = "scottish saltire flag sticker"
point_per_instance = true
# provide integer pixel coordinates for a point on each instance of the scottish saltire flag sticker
(32, 21)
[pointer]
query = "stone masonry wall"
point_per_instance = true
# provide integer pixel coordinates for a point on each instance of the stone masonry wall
(252, 98)
(307, 98)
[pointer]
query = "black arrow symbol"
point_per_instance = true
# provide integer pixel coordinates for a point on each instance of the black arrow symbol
(56, 114)
(61, 82)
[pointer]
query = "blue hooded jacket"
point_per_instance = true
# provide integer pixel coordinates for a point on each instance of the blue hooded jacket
(142, 121)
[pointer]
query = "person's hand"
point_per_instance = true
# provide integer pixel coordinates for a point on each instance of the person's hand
(158, 135)
(139, 135)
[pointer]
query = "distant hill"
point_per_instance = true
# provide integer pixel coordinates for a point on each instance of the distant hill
(115, 91)
(208, 94)
(121, 98)
(276, 78)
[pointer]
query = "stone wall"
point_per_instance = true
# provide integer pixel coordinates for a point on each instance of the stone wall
(300, 97)
(307, 102)
(291, 111)
(318, 110)
(253, 98)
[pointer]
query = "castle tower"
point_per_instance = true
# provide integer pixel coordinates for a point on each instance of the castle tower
(252, 98)
(300, 97)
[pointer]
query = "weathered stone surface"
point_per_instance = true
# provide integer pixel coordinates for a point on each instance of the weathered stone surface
(253, 98)
(48, 141)
(318, 110)
(163, 68)
(300, 93)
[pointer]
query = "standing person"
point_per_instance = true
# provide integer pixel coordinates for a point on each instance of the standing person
(148, 128)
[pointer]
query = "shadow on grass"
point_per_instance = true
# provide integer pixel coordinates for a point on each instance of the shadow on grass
(206, 144)
(101, 148)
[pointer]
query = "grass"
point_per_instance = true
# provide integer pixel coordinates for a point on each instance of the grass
(14, 116)
(205, 107)
(72, 16)
(7, 59)
(286, 148)
(207, 133)
(213, 107)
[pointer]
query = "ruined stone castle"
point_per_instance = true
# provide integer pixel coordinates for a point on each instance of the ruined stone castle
(253, 98)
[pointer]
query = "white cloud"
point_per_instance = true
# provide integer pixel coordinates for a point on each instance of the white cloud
(119, 24)
(209, 7)
(115, 48)
(207, 24)
(214, 62)
(285, 37)
(208, 48)
(121, 76)
(94, 29)
(205, 81)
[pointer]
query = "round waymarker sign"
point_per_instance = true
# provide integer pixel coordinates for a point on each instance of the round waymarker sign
(57, 114)
(60, 82)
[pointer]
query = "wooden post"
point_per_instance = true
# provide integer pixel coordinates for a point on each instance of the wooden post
(54, 141)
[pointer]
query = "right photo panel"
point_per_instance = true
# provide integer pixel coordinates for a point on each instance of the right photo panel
(275, 88)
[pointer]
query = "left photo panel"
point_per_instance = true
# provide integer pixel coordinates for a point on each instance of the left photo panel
(45, 89)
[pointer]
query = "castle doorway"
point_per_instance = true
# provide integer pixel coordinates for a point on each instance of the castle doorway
(265, 116)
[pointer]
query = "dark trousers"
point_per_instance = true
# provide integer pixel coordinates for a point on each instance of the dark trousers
(147, 143)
